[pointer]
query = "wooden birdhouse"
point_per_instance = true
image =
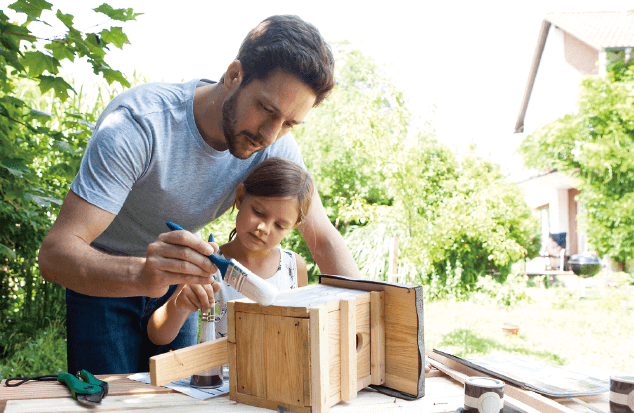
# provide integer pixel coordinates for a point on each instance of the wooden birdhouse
(319, 345)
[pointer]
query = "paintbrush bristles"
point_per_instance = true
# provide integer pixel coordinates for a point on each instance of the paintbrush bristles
(249, 284)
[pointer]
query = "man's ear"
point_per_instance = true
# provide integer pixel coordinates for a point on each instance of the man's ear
(233, 75)
(240, 194)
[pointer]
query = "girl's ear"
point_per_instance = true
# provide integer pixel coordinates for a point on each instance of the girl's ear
(240, 194)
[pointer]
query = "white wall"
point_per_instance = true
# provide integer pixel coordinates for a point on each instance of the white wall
(559, 212)
(556, 84)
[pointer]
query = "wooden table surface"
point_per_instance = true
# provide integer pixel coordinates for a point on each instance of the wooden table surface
(443, 395)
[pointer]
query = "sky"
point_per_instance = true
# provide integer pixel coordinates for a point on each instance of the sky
(461, 64)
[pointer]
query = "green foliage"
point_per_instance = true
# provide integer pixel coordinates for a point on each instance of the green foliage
(506, 294)
(380, 177)
(45, 125)
(41, 354)
(595, 144)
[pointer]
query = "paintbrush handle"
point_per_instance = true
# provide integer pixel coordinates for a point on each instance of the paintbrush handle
(221, 263)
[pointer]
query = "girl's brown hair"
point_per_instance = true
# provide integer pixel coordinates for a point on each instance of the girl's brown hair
(281, 177)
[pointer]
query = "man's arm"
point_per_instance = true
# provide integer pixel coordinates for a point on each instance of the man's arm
(67, 258)
(326, 243)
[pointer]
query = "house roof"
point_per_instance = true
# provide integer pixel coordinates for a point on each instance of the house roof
(550, 179)
(601, 30)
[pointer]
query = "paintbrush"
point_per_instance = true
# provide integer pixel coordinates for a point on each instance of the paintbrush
(239, 277)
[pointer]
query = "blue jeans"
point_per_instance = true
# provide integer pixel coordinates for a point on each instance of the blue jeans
(109, 335)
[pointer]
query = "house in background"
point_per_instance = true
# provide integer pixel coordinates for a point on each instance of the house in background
(570, 46)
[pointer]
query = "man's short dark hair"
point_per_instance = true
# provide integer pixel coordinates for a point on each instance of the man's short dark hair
(291, 44)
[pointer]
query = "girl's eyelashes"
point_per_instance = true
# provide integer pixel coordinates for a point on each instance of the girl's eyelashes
(256, 212)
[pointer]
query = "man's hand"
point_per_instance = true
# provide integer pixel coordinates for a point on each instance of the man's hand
(177, 257)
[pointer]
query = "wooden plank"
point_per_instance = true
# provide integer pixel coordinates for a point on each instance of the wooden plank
(333, 306)
(110, 403)
(266, 404)
(250, 369)
(532, 399)
(319, 359)
(334, 355)
(231, 322)
(233, 380)
(363, 298)
(176, 365)
(377, 337)
(364, 340)
(402, 366)
(363, 383)
(348, 349)
(314, 297)
(245, 306)
(306, 366)
(402, 362)
(287, 347)
(118, 385)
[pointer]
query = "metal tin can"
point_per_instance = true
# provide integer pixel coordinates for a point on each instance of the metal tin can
(622, 394)
(483, 395)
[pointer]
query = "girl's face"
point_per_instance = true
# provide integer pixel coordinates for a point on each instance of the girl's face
(263, 222)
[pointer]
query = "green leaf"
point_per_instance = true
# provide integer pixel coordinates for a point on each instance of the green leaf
(63, 146)
(13, 61)
(114, 75)
(60, 51)
(7, 252)
(115, 36)
(96, 48)
(117, 14)
(33, 8)
(15, 166)
(37, 63)
(67, 19)
(11, 32)
(59, 85)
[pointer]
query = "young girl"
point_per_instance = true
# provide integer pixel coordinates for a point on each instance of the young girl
(273, 200)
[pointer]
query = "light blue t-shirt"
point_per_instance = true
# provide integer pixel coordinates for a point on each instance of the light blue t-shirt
(147, 163)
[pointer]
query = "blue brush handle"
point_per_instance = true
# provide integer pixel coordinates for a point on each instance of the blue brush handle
(221, 263)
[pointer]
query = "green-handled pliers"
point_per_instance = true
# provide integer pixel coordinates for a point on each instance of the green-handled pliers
(85, 388)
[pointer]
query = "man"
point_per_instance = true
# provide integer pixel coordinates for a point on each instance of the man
(177, 152)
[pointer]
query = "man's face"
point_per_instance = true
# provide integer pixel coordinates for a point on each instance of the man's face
(255, 116)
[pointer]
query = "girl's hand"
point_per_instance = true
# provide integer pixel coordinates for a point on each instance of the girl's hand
(193, 297)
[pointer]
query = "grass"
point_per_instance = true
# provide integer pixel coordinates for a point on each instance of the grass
(556, 327)
(43, 353)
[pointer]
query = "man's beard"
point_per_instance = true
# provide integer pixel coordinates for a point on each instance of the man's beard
(229, 121)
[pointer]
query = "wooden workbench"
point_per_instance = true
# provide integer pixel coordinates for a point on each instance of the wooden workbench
(444, 394)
